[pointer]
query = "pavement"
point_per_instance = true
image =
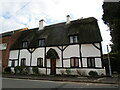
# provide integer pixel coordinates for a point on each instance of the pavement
(104, 80)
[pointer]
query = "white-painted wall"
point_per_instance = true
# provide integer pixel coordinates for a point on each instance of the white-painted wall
(48, 63)
(13, 54)
(84, 61)
(24, 53)
(88, 50)
(66, 63)
(71, 51)
(82, 71)
(98, 62)
(38, 53)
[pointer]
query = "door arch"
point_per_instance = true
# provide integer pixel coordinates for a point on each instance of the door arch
(52, 55)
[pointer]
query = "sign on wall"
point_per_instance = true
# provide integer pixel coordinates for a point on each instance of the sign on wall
(3, 46)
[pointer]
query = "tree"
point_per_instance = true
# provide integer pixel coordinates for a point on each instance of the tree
(111, 17)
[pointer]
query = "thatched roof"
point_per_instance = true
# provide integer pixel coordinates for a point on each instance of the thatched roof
(58, 34)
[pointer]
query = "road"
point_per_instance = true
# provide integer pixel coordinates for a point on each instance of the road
(25, 83)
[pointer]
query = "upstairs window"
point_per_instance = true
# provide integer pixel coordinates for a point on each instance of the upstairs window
(74, 39)
(74, 62)
(91, 62)
(41, 42)
(23, 62)
(40, 62)
(25, 44)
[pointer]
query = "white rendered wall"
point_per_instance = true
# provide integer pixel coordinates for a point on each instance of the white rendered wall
(13, 54)
(98, 62)
(71, 51)
(66, 63)
(48, 63)
(84, 62)
(82, 71)
(88, 50)
(24, 53)
(38, 53)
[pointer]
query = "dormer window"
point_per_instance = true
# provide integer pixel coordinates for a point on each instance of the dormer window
(25, 44)
(41, 42)
(74, 39)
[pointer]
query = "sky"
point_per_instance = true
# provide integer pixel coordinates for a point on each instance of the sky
(17, 14)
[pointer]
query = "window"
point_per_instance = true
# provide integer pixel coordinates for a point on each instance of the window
(3, 46)
(74, 62)
(12, 63)
(91, 62)
(23, 62)
(74, 39)
(25, 44)
(41, 42)
(40, 62)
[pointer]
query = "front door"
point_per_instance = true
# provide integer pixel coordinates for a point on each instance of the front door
(53, 66)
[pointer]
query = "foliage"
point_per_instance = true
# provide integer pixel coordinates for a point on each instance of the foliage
(114, 61)
(111, 17)
(68, 71)
(7, 70)
(93, 74)
(35, 70)
(21, 70)
(62, 72)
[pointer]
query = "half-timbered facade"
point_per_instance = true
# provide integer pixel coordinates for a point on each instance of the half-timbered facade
(53, 49)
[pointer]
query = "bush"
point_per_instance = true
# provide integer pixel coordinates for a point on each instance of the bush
(20, 70)
(62, 72)
(68, 71)
(93, 74)
(7, 70)
(35, 70)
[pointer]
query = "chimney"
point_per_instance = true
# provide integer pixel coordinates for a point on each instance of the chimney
(68, 19)
(41, 22)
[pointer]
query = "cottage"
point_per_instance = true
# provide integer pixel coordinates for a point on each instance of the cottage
(72, 45)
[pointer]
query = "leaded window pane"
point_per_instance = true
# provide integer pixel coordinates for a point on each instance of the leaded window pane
(23, 62)
(41, 42)
(25, 44)
(40, 62)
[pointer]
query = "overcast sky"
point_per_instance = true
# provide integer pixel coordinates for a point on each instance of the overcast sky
(17, 14)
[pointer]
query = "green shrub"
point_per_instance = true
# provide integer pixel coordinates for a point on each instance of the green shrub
(35, 70)
(68, 71)
(7, 70)
(26, 70)
(62, 72)
(20, 70)
(93, 74)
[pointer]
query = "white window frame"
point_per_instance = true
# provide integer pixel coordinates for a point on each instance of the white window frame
(25, 44)
(74, 62)
(41, 42)
(40, 62)
(74, 39)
